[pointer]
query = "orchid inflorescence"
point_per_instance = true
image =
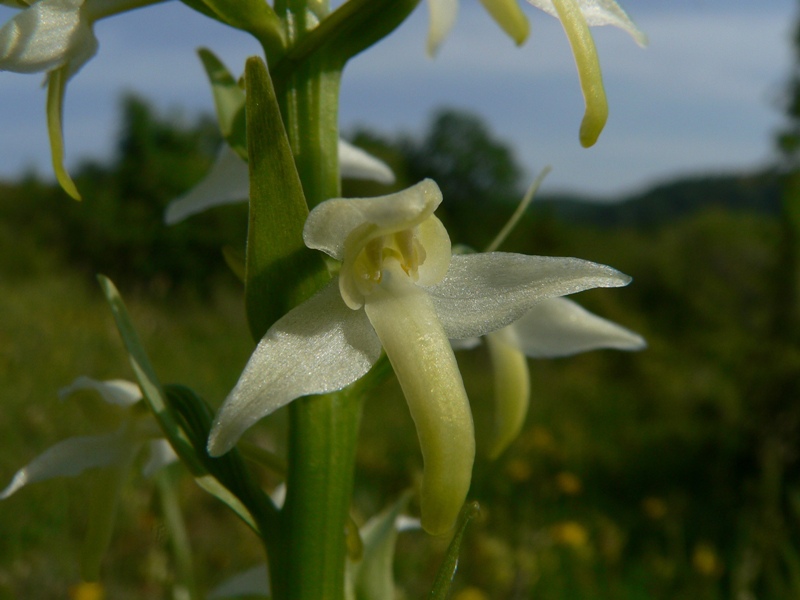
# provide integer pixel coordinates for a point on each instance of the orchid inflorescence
(389, 287)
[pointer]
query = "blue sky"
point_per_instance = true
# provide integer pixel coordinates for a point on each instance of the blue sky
(702, 97)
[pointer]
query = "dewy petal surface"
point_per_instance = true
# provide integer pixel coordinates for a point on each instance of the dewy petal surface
(45, 36)
(561, 327)
(406, 323)
(599, 12)
(485, 292)
(318, 347)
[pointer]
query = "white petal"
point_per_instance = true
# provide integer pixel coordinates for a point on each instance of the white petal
(320, 346)
(373, 576)
(331, 223)
(406, 523)
(161, 455)
(114, 391)
(72, 457)
(435, 241)
(442, 18)
(355, 163)
(599, 12)
(278, 495)
(406, 323)
(484, 292)
(560, 327)
(45, 36)
(228, 182)
(253, 582)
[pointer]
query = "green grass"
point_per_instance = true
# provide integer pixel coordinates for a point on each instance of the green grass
(637, 475)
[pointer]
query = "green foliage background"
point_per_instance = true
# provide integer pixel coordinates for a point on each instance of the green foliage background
(670, 473)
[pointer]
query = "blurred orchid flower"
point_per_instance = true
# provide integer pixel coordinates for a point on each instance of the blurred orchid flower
(75, 455)
(400, 288)
(553, 328)
(228, 181)
(56, 36)
(506, 13)
(111, 455)
(576, 17)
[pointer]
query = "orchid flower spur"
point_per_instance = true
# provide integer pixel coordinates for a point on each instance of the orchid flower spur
(553, 328)
(576, 17)
(55, 36)
(228, 181)
(75, 455)
(400, 288)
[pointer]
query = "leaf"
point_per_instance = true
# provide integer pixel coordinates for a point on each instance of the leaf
(353, 27)
(447, 570)
(254, 16)
(227, 476)
(280, 271)
(148, 382)
(235, 259)
(229, 101)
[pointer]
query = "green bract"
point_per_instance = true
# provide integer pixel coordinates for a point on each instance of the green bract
(399, 289)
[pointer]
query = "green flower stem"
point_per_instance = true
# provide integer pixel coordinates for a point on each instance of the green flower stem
(310, 110)
(322, 447)
(323, 429)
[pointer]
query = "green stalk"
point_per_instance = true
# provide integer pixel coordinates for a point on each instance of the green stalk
(322, 447)
(323, 429)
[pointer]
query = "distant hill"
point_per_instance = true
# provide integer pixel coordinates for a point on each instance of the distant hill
(755, 192)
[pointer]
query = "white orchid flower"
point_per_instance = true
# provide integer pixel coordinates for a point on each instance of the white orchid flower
(76, 455)
(47, 35)
(56, 37)
(228, 181)
(399, 288)
(576, 17)
(553, 328)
